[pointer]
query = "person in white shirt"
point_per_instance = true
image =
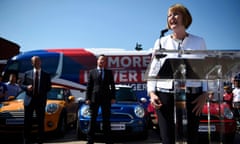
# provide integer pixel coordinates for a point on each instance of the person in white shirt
(236, 90)
(236, 98)
(161, 97)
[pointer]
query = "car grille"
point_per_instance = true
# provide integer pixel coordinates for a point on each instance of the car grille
(12, 116)
(12, 122)
(205, 117)
(123, 117)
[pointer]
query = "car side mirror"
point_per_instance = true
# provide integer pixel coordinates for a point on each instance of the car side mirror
(71, 98)
(11, 98)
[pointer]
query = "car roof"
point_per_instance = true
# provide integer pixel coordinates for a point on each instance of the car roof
(59, 86)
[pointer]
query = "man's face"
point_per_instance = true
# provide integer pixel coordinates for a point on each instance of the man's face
(236, 83)
(12, 78)
(101, 61)
(36, 62)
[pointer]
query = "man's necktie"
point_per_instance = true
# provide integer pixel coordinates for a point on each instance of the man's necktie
(36, 81)
(100, 74)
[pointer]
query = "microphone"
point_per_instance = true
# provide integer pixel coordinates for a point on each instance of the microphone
(163, 32)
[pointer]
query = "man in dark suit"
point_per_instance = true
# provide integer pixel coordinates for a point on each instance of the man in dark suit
(36, 83)
(100, 92)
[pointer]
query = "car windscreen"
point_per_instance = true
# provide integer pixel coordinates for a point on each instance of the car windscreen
(21, 95)
(125, 94)
(56, 94)
(53, 94)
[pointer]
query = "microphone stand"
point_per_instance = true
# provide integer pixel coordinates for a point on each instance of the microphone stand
(156, 56)
(159, 55)
(180, 111)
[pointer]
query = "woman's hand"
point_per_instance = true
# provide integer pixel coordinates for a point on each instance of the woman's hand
(155, 101)
(199, 101)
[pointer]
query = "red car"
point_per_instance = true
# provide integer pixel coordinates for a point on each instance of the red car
(152, 115)
(220, 120)
(217, 119)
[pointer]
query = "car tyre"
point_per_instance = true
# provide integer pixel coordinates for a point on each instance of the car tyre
(144, 134)
(62, 125)
(228, 138)
(80, 134)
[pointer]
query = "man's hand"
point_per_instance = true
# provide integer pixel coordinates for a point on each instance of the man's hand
(113, 101)
(1, 95)
(87, 102)
(30, 88)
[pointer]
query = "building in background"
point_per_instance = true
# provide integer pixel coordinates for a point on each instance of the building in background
(8, 49)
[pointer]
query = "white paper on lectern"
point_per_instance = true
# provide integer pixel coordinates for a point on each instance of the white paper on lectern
(165, 83)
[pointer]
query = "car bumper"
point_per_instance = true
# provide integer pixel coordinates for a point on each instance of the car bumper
(217, 126)
(15, 125)
(13, 122)
(129, 128)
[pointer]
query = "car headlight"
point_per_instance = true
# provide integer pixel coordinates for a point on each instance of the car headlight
(228, 113)
(139, 111)
(85, 111)
(51, 108)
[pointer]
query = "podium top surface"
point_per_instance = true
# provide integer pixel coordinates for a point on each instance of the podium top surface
(203, 64)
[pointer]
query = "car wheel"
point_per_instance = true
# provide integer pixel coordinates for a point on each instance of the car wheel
(62, 126)
(150, 123)
(80, 134)
(228, 138)
(144, 134)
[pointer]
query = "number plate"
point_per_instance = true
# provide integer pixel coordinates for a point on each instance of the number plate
(18, 121)
(204, 128)
(115, 126)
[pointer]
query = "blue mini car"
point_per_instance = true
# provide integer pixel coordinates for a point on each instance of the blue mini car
(128, 115)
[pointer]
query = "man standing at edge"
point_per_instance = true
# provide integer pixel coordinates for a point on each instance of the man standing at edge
(100, 92)
(36, 83)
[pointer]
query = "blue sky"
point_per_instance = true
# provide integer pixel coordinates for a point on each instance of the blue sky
(43, 24)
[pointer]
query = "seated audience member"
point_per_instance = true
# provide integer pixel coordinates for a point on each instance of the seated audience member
(228, 95)
(12, 86)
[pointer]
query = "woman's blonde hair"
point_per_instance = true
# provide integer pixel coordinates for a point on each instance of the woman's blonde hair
(187, 18)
